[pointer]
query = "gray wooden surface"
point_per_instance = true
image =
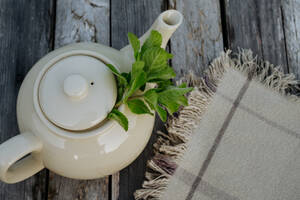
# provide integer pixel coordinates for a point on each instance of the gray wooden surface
(30, 29)
(291, 22)
(199, 39)
(25, 36)
(257, 25)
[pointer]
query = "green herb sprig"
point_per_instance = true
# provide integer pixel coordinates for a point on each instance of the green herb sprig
(150, 66)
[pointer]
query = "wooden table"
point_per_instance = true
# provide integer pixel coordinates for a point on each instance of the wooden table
(31, 28)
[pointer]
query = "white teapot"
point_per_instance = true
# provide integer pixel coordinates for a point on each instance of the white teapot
(62, 112)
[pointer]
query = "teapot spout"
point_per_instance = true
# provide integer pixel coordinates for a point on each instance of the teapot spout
(166, 24)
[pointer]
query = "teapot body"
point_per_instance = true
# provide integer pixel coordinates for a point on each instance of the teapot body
(83, 151)
(87, 154)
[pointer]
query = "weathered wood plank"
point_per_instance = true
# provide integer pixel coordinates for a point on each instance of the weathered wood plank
(61, 188)
(25, 36)
(78, 21)
(82, 21)
(291, 22)
(257, 25)
(115, 187)
(199, 39)
(134, 16)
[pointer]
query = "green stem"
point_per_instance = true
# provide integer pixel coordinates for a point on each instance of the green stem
(118, 104)
(135, 97)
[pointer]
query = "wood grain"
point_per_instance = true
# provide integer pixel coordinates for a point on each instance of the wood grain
(134, 16)
(61, 188)
(25, 36)
(257, 25)
(291, 21)
(199, 39)
(115, 186)
(80, 21)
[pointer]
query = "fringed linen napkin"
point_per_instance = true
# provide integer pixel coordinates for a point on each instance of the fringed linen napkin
(239, 138)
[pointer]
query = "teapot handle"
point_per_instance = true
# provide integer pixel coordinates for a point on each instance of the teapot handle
(18, 160)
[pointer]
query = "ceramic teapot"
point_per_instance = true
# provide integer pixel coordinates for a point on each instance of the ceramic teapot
(62, 108)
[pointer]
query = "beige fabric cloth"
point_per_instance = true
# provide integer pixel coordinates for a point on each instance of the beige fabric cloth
(247, 147)
(239, 139)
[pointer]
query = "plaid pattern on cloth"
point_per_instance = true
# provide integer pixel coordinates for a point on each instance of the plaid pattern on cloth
(246, 145)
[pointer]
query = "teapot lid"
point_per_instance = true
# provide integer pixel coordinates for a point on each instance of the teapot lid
(77, 92)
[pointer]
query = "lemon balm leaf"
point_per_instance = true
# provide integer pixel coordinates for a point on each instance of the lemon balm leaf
(116, 115)
(155, 58)
(135, 43)
(172, 98)
(137, 68)
(138, 106)
(151, 98)
(136, 83)
(154, 40)
(163, 73)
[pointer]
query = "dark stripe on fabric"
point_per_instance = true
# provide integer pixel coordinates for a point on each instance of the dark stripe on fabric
(214, 193)
(205, 188)
(265, 120)
(218, 139)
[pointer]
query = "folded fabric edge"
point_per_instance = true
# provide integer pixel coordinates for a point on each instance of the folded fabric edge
(170, 147)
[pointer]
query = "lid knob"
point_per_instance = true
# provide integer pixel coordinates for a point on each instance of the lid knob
(75, 86)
